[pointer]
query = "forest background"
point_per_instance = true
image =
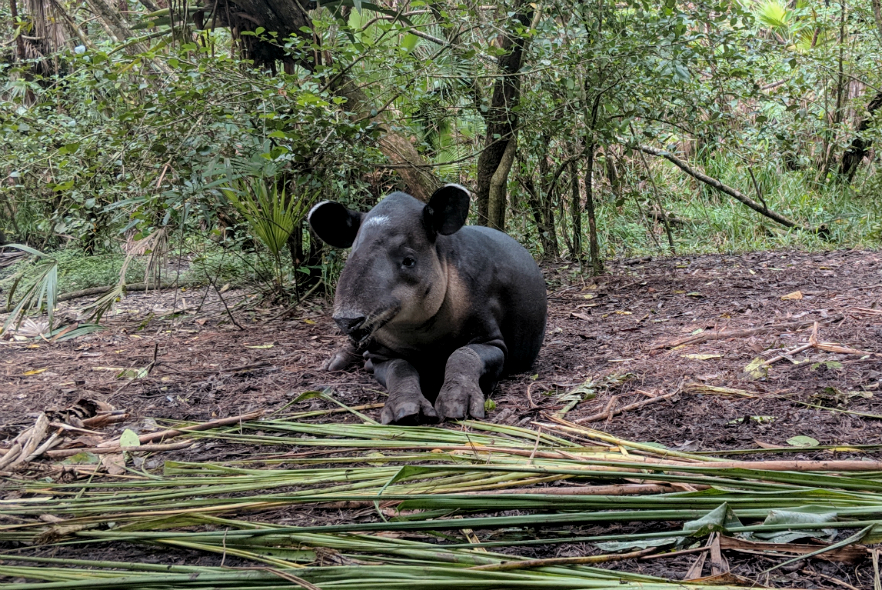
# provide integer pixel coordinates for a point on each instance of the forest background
(153, 141)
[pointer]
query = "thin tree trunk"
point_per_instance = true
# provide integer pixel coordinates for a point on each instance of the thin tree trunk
(547, 238)
(19, 42)
(498, 185)
(840, 90)
(546, 202)
(877, 16)
(593, 245)
(576, 211)
(501, 118)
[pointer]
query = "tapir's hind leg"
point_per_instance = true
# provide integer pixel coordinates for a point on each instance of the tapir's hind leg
(471, 372)
(406, 403)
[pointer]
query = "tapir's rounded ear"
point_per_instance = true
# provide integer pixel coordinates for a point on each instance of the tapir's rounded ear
(448, 209)
(334, 224)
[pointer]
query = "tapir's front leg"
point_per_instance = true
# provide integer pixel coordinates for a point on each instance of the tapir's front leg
(471, 372)
(406, 403)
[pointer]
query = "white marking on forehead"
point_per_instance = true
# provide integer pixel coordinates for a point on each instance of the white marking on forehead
(379, 220)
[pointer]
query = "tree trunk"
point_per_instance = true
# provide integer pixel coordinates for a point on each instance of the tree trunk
(547, 236)
(576, 211)
(859, 147)
(498, 184)
(593, 246)
(502, 119)
(19, 42)
(840, 90)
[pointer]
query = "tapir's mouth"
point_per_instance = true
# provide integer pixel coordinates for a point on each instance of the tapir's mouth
(362, 333)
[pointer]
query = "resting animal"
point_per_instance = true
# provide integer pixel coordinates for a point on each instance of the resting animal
(440, 310)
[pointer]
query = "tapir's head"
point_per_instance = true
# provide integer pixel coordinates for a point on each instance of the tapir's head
(394, 274)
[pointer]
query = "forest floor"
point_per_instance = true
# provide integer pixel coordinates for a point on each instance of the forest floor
(684, 327)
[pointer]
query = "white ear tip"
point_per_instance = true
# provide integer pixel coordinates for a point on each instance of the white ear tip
(460, 187)
(314, 207)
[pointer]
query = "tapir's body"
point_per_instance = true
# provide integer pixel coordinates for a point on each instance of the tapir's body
(441, 311)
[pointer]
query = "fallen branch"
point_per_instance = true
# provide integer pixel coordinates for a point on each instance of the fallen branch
(707, 336)
(609, 414)
(738, 195)
(102, 290)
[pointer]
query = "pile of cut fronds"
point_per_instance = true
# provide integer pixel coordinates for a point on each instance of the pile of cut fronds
(420, 494)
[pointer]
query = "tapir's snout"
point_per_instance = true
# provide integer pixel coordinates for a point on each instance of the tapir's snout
(349, 323)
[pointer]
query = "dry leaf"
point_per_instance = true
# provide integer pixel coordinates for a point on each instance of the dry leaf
(796, 295)
(114, 463)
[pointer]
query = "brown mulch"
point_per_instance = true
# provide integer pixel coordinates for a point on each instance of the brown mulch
(616, 330)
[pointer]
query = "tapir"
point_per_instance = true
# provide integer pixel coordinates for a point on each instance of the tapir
(439, 311)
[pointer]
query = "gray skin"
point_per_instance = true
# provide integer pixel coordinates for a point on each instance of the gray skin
(440, 310)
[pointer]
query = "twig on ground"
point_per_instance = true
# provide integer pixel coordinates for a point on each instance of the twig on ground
(786, 354)
(606, 413)
(674, 553)
(224, 301)
(162, 435)
(708, 336)
(814, 342)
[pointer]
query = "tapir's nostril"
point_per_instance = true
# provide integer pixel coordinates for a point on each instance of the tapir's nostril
(349, 324)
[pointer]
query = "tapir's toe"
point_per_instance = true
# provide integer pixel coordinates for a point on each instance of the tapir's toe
(458, 399)
(342, 359)
(408, 412)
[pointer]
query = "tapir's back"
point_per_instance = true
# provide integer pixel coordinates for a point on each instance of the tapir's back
(506, 285)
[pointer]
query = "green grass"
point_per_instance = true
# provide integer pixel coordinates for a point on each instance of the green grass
(717, 223)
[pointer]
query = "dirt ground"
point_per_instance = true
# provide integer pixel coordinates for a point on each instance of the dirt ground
(620, 331)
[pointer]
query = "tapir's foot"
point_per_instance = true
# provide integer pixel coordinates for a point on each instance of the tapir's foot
(342, 359)
(408, 409)
(459, 397)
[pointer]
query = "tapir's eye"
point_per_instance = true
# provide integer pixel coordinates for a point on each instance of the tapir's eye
(408, 262)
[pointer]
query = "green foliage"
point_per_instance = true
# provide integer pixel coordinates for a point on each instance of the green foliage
(272, 214)
(40, 293)
(763, 95)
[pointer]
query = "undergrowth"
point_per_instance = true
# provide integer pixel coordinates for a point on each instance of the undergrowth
(706, 221)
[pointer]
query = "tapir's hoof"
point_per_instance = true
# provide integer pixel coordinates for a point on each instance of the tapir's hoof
(342, 359)
(459, 398)
(409, 410)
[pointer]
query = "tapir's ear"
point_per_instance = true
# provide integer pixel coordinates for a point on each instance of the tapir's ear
(448, 209)
(334, 224)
